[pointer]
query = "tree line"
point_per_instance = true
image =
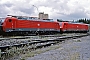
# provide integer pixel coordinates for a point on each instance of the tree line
(87, 21)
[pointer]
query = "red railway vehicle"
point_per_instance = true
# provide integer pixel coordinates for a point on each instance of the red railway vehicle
(73, 27)
(27, 25)
(23, 25)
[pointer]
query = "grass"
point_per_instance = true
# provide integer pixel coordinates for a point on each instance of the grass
(22, 59)
(39, 51)
(77, 40)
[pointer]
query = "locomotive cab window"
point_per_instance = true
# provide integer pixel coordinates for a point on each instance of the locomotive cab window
(10, 20)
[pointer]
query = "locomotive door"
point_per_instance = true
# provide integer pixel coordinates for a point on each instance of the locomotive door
(12, 24)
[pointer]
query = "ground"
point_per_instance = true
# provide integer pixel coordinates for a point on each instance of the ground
(74, 49)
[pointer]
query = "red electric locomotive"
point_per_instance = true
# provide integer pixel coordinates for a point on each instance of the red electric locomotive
(73, 27)
(23, 25)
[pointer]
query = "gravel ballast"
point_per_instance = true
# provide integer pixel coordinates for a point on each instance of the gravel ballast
(75, 49)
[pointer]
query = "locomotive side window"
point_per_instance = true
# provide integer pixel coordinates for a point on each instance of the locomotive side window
(10, 20)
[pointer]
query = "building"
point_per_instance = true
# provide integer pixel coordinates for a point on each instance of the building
(43, 16)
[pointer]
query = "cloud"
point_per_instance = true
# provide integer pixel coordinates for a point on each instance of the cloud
(63, 9)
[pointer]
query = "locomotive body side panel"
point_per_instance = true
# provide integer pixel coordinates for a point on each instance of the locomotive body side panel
(29, 25)
(73, 27)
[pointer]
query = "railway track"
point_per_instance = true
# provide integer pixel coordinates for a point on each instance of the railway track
(11, 45)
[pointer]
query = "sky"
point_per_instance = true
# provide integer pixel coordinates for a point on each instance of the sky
(57, 9)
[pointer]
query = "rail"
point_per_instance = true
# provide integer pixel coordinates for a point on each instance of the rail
(20, 47)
